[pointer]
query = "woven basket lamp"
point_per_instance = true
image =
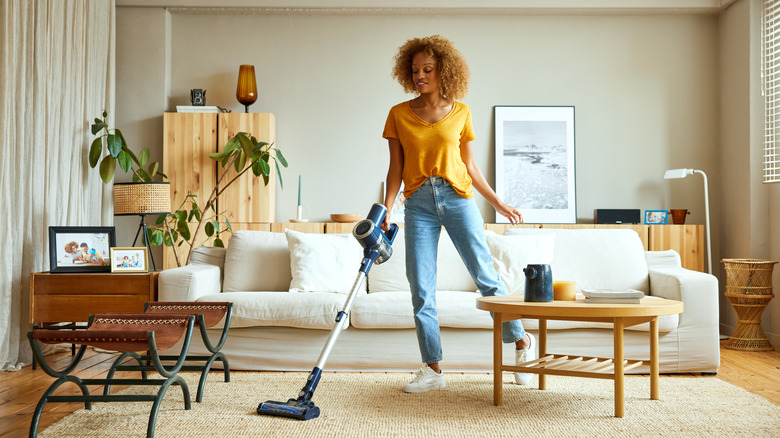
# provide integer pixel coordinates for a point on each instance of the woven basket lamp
(142, 198)
(749, 288)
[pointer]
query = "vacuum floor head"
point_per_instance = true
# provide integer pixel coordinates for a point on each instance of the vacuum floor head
(292, 408)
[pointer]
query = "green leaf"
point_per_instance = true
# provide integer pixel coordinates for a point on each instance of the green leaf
(240, 162)
(95, 151)
(219, 243)
(161, 219)
(246, 145)
(184, 229)
(167, 240)
(196, 212)
(157, 238)
(152, 170)
(279, 174)
(280, 157)
(125, 162)
(266, 168)
(266, 179)
(256, 169)
(209, 229)
(131, 153)
(162, 174)
(107, 168)
(144, 176)
(114, 144)
(218, 156)
(97, 126)
(181, 215)
(105, 114)
(230, 227)
(144, 158)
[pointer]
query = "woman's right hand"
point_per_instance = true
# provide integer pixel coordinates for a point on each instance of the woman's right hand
(385, 226)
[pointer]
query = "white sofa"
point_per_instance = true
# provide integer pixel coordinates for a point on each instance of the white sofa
(287, 289)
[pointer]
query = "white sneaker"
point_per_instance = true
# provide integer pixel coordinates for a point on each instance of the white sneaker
(425, 380)
(525, 355)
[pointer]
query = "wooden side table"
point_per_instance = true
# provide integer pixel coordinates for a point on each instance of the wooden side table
(73, 297)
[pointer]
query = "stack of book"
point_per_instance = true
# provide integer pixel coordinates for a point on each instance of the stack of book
(613, 296)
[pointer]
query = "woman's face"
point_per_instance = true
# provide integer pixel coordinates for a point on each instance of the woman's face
(425, 73)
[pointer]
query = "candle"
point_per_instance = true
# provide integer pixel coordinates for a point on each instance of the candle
(299, 190)
(564, 290)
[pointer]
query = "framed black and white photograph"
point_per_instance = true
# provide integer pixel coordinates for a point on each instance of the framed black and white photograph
(80, 249)
(535, 169)
(131, 259)
(656, 217)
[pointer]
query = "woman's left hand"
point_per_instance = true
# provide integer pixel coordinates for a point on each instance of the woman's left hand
(510, 213)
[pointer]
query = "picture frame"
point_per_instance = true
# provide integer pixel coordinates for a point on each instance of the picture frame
(129, 259)
(656, 217)
(80, 249)
(535, 162)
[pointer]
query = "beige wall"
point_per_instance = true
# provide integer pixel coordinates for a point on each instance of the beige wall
(648, 92)
(750, 222)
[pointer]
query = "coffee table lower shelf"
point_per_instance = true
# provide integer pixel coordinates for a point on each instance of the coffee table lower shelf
(573, 366)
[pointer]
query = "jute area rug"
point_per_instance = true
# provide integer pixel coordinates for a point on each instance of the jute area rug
(373, 405)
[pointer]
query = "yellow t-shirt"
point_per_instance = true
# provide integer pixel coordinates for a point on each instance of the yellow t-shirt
(432, 149)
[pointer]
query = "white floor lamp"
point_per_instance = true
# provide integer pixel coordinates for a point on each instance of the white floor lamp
(682, 173)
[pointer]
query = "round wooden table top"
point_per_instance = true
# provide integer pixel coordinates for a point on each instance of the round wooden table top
(514, 304)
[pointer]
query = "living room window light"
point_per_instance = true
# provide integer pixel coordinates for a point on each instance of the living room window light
(770, 78)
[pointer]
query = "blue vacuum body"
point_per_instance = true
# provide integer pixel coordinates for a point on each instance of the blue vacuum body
(377, 249)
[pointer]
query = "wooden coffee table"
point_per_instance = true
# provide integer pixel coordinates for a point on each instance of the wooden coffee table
(508, 308)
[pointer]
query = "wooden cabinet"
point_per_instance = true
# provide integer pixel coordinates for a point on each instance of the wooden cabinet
(189, 139)
(73, 297)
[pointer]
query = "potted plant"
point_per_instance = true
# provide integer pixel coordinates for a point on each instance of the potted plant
(114, 142)
(245, 154)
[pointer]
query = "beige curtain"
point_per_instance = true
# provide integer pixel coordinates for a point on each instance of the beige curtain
(56, 75)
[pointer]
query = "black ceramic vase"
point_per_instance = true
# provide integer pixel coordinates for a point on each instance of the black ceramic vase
(538, 283)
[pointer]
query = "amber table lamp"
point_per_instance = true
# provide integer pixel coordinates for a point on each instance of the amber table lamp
(246, 91)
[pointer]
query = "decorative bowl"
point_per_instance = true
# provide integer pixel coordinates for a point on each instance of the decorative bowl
(345, 218)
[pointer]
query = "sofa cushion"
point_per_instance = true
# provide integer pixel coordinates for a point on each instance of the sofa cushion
(391, 275)
(323, 262)
(393, 310)
(597, 258)
(257, 261)
(512, 253)
(316, 310)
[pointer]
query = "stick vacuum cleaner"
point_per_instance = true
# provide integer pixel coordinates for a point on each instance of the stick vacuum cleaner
(377, 249)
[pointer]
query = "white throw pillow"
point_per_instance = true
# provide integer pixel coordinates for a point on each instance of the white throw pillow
(323, 262)
(257, 261)
(512, 253)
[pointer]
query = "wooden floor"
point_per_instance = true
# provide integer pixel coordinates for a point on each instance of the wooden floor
(757, 372)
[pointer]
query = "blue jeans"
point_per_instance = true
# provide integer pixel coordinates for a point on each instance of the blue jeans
(433, 205)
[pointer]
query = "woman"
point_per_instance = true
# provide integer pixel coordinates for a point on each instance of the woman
(430, 139)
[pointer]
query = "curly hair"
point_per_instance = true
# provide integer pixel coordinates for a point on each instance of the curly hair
(453, 70)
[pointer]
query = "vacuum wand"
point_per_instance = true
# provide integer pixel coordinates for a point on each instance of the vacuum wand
(377, 249)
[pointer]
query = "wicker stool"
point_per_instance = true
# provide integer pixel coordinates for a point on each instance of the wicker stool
(749, 288)
(128, 333)
(208, 315)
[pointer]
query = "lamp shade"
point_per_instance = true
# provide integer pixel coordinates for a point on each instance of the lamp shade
(140, 198)
(677, 173)
(246, 90)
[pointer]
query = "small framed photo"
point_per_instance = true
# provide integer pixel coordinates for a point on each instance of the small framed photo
(129, 259)
(80, 249)
(656, 217)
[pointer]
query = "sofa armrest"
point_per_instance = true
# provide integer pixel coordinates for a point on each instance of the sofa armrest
(190, 282)
(698, 331)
